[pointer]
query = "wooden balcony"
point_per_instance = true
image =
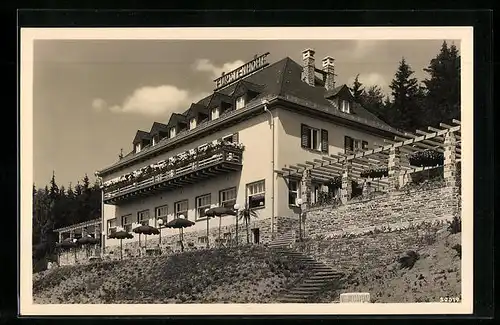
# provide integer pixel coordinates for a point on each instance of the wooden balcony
(224, 160)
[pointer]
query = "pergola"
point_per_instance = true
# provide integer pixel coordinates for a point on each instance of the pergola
(392, 154)
(91, 227)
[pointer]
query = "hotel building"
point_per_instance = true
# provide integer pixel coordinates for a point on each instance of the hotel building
(226, 149)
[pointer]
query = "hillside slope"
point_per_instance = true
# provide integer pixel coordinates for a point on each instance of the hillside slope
(435, 275)
(249, 274)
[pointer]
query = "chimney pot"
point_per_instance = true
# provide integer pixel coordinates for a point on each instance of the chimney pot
(308, 66)
(329, 69)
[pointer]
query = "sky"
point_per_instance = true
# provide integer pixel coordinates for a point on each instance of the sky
(90, 97)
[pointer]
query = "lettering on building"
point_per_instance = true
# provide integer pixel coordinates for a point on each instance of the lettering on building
(240, 72)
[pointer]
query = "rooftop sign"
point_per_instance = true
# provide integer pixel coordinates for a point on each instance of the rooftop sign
(257, 63)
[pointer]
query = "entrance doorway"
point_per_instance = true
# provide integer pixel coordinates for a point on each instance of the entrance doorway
(256, 235)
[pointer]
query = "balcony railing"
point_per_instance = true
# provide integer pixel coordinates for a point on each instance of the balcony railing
(224, 159)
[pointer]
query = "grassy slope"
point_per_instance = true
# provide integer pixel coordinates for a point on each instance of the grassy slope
(436, 274)
(234, 275)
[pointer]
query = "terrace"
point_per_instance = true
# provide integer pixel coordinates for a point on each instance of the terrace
(190, 167)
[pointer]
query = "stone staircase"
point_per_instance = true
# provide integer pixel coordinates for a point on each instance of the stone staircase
(321, 275)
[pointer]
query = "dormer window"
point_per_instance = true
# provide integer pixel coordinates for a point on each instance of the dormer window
(345, 106)
(240, 102)
(214, 113)
(172, 132)
(192, 123)
(155, 140)
(137, 147)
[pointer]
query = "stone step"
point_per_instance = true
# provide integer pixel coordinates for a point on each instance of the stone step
(305, 290)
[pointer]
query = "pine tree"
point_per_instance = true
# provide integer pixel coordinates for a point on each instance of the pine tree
(405, 93)
(443, 86)
(357, 89)
(373, 100)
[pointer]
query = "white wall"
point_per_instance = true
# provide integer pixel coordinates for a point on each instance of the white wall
(255, 134)
(290, 152)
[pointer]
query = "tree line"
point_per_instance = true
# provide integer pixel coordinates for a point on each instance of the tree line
(55, 207)
(412, 104)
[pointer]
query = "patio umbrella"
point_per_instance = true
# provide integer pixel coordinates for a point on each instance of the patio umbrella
(180, 223)
(84, 241)
(146, 230)
(121, 235)
(219, 212)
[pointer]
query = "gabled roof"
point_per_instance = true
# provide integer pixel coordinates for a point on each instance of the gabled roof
(157, 128)
(196, 109)
(141, 135)
(280, 79)
(175, 119)
(246, 85)
(217, 98)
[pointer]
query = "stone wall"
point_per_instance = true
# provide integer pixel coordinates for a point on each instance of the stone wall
(428, 201)
(363, 250)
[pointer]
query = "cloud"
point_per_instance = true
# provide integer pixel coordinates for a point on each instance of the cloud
(370, 79)
(99, 104)
(205, 65)
(364, 48)
(155, 101)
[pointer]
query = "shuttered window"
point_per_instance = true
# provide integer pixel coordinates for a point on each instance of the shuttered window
(348, 144)
(314, 139)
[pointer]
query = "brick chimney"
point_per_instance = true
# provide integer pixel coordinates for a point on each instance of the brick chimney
(308, 66)
(329, 69)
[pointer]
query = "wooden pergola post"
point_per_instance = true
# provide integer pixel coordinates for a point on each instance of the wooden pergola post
(394, 167)
(450, 160)
(346, 191)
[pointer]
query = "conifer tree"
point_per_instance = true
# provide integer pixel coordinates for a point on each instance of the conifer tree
(443, 86)
(357, 89)
(405, 93)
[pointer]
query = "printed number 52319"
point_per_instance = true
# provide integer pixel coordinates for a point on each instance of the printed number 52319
(449, 299)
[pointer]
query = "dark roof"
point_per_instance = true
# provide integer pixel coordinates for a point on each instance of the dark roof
(334, 92)
(250, 86)
(141, 135)
(284, 79)
(196, 109)
(175, 119)
(157, 128)
(217, 98)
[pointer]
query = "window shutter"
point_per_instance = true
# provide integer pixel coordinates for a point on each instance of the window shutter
(324, 140)
(235, 137)
(305, 136)
(348, 144)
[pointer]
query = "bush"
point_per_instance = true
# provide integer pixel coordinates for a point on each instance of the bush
(455, 226)
(375, 172)
(408, 260)
(426, 158)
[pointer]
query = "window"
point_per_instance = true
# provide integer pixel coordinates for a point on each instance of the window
(143, 217)
(240, 102)
(181, 207)
(111, 226)
(314, 139)
(345, 106)
(127, 223)
(155, 140)
(162, 212)
(192, 123)
(214, 113)
(256, 194)
(172, 132)
(353, 145)
(348, 144)
(293, 191)
(202, 203)
(137, 147)
(227, 197)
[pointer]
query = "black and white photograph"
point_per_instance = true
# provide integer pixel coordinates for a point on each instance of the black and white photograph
(240, 170)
